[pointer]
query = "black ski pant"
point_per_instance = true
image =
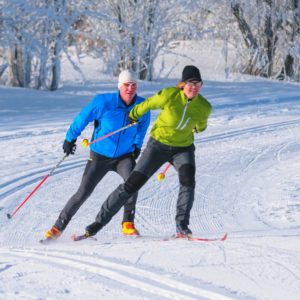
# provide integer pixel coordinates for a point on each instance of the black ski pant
(154, 156)
(97, 167)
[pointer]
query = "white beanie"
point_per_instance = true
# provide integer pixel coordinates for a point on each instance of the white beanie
(124, 77)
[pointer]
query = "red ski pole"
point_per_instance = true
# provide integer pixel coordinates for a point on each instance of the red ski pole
(161, 176)
(86, 142)
(37, 187)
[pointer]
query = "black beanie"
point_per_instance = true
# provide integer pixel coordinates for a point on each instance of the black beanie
(191, 73)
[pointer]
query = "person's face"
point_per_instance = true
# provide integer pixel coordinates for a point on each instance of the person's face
(128, 91)
(192, 88)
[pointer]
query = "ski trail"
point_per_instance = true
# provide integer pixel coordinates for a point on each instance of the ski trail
(237, 171)
(255, 129)
(29, 133)
(141, 279)
(22, 182)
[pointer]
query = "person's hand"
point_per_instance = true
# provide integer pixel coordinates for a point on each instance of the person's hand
(194, 130)
(132, 121)
(69, 147)
(136, 153)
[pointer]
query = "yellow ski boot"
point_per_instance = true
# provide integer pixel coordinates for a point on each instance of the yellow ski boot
(129, 229)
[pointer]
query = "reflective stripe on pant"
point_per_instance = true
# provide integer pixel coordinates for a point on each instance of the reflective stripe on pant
(154, 156)
(96, 168)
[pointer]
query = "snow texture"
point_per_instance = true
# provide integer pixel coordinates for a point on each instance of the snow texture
(248, 177)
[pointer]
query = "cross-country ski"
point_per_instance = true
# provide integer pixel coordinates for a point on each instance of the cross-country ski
(204, 239)
(77, 238)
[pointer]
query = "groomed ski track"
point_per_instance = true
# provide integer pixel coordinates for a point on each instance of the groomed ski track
(239, 165)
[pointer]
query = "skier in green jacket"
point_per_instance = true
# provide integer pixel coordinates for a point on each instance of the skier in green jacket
(183, 112)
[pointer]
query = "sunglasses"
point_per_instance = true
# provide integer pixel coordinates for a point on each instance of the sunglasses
(194, 83)
(130, 84)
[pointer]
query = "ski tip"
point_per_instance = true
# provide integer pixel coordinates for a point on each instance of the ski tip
(76, 238)
(73, 237)
(224, 237)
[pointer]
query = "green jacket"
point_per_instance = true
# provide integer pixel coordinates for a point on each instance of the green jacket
(178, 116)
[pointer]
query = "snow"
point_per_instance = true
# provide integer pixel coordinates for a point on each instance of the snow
(248, 163)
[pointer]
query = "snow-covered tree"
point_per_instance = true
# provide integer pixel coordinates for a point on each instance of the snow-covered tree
(134, 31)
(271, 32)
(34, 33)
(131, 33)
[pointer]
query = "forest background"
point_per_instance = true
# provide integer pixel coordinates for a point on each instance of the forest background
(133, 34)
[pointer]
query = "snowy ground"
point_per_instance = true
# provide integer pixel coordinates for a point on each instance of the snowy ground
(248, 184)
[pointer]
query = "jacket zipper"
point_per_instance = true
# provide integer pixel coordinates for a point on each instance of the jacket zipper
(182, 118)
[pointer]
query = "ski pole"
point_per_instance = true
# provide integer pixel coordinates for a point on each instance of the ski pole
(37, 187)
(161, 176)
(86, 142)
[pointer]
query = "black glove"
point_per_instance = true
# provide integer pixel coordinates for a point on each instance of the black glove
(131, 121)
(69, 147)
(136, 153)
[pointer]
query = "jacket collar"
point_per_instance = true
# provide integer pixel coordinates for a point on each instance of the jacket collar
(186, 100)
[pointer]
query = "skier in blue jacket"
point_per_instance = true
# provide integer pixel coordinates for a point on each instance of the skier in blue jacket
(117, 152)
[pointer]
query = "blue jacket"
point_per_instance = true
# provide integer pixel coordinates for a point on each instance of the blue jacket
(110, 113)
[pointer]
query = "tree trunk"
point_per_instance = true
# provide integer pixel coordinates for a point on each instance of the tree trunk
(146, 65)
(3, 68)
(56, 66)
(122, 56)
(289, 66)
(27, 69)
(20, 67)
(60, 8)
(270, 40)
(289, 69)
(14, 54)
(249, 39)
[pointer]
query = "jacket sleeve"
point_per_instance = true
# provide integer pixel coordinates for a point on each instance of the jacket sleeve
(142, 127)
(155, 102)
(202, 123)
(88, 114)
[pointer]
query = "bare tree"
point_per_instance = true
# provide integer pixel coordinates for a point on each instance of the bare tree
(270, 35)
(291, 67)
(129, 34)
(34, 36)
